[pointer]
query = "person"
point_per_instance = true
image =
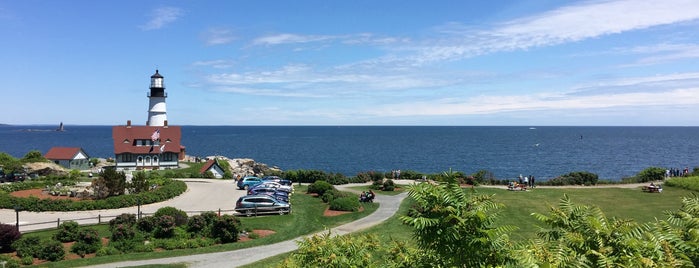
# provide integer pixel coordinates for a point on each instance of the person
(526, 181)
(362, 197)
(531, 181)
(370, 196)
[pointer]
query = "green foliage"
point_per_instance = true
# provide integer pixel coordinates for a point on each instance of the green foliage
(651, 174)
(27, 246)
(139, 183)
(67, 231)
(333, 252)
(225, 229)
(685, 236)
(164, 226)
(10, 164)
(10, 262)
(168, 189)
(33, 156)
(51, 250)
(8, 235)
(177, 214)
(350, 203)
(458, 227)
(127, 219)
(388, 185)
(574, 178)
(121, 232)
(88, 242)
(319, 187)
(404, 255)
(582, 236)
(146, 225)
(305, 176)
(689, 183)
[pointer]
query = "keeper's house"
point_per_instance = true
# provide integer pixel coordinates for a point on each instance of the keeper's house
(69, 157)
(147, 147)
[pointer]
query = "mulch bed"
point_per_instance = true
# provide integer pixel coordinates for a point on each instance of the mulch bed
(39, 193)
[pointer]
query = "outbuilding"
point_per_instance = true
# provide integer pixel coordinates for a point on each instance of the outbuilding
(69, 157)
(214, 167)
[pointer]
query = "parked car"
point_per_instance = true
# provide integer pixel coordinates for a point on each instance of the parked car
(16, 176)
(277, 179)
(275, 186)
(279, 195)
(247, 182)
(261, 204)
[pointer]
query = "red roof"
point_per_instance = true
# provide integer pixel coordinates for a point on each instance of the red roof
(126, 137)
(62, 153)
(207, 166)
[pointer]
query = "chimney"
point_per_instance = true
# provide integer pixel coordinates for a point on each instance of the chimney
(128, 123)
(165, 124)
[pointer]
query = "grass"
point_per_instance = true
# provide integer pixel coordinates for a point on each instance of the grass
(306, 218)
(614, 202)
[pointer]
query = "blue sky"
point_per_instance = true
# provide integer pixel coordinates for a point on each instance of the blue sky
(530, 63)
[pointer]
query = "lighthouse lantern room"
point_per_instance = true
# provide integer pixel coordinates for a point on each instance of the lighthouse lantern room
(157, 112)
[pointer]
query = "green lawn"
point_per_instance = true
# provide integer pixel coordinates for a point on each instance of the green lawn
(614, 202)
(306, 218)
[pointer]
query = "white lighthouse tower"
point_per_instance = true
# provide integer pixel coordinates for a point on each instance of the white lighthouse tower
(157, 112)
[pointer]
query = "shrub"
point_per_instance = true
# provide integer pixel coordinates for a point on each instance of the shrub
(575, 178)
(51, 250)
(8, 236)
(651, 174)
(376, 185)
(27, 246)
(127, 219)
(10, 262)
(106, 251)
(122, 232)
(319, 187)
(225, 229)
(345, 204)
(389, 185)
(67, 232)
(164, 226)
(177, 214)
(146, 224)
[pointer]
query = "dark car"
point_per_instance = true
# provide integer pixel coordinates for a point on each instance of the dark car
(277, 179)
(17, 176)
(247, 182)
(261, 204)
(279, 195)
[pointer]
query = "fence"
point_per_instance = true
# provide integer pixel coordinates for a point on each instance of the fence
(46, 225)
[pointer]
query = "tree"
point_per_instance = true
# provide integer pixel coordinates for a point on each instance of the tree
(328, 251)
(139, 183)
(582, 236)
(110, 183)
(458, 227)
(33, 156)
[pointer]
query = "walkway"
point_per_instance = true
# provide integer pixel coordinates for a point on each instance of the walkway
(388, 207)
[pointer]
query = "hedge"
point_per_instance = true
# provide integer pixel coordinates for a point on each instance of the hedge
(169, 189)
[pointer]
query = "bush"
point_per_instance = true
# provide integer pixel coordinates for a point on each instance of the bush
(574, 178)
(225, 229)
(333, 194)
(146, 224)
(651, 174)
(127, 219)
(319, 187)
(10, 262)
(51, 250)
(27, 246)
(122, 232)
(164, 226)
(177, 214)
(8, 236)
(389, 185)
(67, 231)
(376, 185)
(345, 204)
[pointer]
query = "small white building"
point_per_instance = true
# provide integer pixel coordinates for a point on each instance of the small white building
(69, 157)
(214, 167)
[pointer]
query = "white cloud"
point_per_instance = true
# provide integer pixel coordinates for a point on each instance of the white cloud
(280, 39)
(218, 36)
(161, 17)
(218, 64)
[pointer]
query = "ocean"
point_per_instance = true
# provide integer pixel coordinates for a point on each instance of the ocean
(544, 152)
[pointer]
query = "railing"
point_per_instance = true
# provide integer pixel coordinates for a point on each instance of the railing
(47, 225)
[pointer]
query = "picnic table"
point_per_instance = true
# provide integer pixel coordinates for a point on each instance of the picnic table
(653, 189)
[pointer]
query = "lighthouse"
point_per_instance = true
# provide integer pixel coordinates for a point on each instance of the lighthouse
(157, 112)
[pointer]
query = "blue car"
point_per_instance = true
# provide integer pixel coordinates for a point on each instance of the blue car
(279, 195)
(247, 182)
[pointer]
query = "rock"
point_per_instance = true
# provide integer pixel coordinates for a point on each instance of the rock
(45, 168)
(241, 167)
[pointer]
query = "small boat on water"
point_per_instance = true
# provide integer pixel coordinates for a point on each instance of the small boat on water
(60, 127)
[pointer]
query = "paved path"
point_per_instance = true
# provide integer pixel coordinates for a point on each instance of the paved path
(387, 208)
(201, 195)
